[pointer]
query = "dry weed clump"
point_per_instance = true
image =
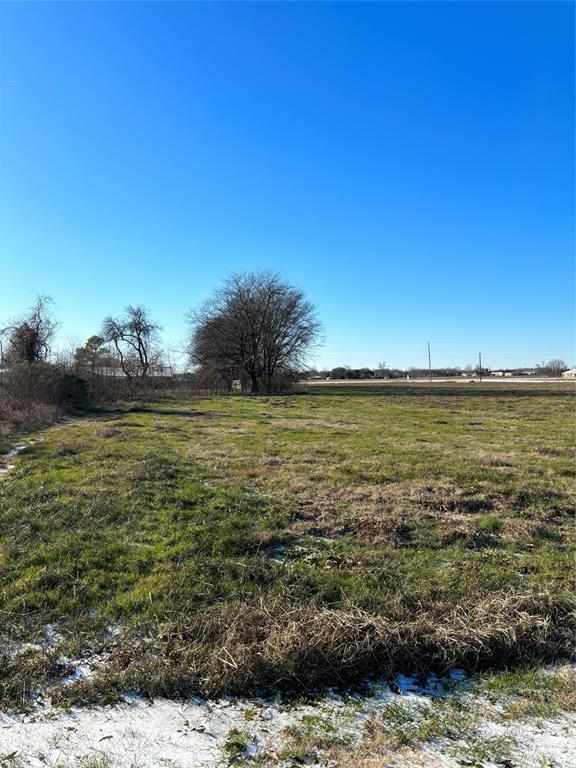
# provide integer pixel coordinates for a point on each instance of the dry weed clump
(107, 431)
(17, 417)
(244, 648)
(378, 751)
(384, 526)
(24, 673)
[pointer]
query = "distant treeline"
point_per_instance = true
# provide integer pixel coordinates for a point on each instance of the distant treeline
(253, 335)
(550, 369)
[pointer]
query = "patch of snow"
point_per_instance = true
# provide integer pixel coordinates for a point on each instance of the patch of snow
(549, 743)
(82, 669)
(7, 466)
(5, 457)
(52, 636)
(9, 455)
(12, 452)
(193, 733)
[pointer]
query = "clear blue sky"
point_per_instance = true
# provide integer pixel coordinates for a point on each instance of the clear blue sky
(409, 165)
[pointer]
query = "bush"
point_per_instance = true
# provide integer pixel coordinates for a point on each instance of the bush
(45, 384)
(16, 416)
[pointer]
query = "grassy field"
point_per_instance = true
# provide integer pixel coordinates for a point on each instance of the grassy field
(238, 544)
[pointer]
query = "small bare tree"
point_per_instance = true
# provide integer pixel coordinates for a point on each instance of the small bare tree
(381, 371)
(134, 337)
(29, 337)
(256, 327)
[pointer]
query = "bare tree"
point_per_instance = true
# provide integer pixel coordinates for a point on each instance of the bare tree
(256, 327)
(552, 368)
(134, 337)
(381, 371)
(29, 337)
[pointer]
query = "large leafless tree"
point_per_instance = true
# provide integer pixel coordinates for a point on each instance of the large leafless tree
(256, 327)
(28, 338)
(134, 337)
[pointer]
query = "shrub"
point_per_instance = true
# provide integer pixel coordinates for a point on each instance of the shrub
(16, 416)
(45, 384)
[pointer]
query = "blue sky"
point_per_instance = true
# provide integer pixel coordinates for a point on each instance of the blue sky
(409, 165)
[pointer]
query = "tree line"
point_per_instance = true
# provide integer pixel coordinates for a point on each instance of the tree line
(255, 332)
(552, 368)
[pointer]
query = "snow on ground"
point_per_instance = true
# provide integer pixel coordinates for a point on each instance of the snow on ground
(135, 734)
(142, 734)
(193, 734)
(542, 743)
(5, 457)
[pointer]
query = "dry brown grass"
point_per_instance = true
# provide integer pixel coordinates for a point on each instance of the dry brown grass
(17, 418)
(431, 497)
(376, 752)
(240, 648)
(395, 513)
(26, 672)
(548, 450)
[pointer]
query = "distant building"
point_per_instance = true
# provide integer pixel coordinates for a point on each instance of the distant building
(571, 374)
(108, 371)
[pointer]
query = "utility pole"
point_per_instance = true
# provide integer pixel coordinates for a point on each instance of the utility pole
(480, 365)
(429, 364)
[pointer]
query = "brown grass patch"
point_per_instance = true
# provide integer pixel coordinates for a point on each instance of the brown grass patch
(17, 418)
(547, 450)
(243, 648)
(401, 513)
(378, 751)
(439, 497)
(22, 674)
(114, 432)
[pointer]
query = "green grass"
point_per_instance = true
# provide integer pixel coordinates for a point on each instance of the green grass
(399, 502)
(453, 722)
(235, 745)
(531, 692)
(311, 737)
